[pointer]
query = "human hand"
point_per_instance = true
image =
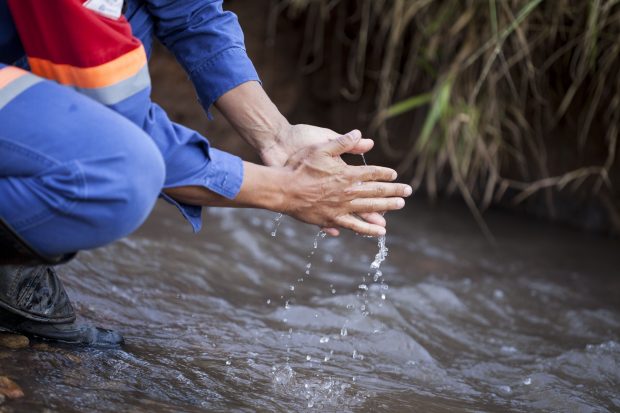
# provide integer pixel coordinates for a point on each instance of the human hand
(292, 139)
(248, 108)
(327, 192)
(259, 122)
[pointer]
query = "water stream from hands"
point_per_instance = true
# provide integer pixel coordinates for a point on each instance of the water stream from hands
(322, 388)
(319, 388)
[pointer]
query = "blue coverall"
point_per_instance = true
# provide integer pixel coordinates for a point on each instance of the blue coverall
(75, 174)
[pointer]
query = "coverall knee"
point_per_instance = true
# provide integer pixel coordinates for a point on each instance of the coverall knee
(74, 174)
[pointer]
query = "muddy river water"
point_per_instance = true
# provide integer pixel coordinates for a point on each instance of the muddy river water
(233, 319)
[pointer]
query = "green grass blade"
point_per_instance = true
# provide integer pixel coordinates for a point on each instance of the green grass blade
(408, 105)
(439, 107)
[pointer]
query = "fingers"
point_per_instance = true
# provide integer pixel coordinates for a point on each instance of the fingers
(359, 226)
(374, 173)
(363, 146)
(376, 204)
(332, 232)
(373, 218)
(378, 190)
(342, 144)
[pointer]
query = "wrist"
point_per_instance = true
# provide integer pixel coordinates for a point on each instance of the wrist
(274, 151)
(271, 135)
(265, 187)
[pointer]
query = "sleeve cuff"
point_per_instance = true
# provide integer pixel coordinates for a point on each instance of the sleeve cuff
(223, 72)
(223, 175)
(191, 213)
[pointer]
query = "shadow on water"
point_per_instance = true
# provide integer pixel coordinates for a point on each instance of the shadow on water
(532, 324)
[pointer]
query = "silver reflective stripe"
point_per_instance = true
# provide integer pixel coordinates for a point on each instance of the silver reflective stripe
(17, 86)
(120, 91)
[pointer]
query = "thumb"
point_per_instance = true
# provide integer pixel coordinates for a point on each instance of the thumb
(343, 143)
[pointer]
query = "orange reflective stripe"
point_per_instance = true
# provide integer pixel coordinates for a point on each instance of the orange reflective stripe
(9, 74)
(103, 75)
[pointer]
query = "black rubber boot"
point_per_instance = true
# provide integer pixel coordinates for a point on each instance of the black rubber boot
(70, 333)
(35, 303)
(33, 300)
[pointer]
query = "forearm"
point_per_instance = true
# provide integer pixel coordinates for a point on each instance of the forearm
(262, 187)
(253, 115)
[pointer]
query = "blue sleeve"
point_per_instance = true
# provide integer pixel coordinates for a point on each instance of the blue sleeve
(189, 159)
(207, 41)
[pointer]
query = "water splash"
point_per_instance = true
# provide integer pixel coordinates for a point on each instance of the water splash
(316, 392)
(283, 375)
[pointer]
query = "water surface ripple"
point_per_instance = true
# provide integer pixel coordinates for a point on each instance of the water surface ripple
(530, 325)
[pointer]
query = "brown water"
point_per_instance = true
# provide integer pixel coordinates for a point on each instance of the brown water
(530, 325)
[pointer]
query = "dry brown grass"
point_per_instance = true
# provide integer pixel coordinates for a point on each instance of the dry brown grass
(519, 97)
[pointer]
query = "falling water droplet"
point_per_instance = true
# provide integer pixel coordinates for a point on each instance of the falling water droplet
(343, 331)
(377, 275)
(308, 357)
(276, 222)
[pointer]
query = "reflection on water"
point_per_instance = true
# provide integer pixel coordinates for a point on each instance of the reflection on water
(212, 323)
